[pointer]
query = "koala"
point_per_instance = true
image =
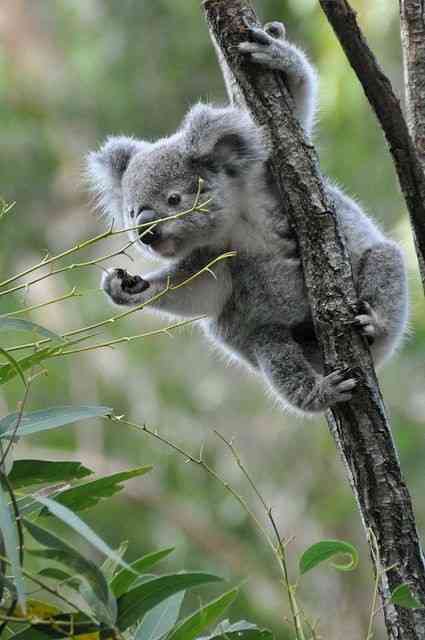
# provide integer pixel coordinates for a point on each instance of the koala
(256, 307)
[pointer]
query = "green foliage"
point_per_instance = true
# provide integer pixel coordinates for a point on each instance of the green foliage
(403, 597)
(125, 578)
(326, 549)
(88, 495)
(26, 473)
(10, 535)
(47, 419)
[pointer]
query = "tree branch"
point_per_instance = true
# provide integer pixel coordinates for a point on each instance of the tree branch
(360, 428)
(412, 17)
(386, 106)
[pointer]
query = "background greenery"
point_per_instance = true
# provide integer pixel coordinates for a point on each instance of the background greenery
(74, 71)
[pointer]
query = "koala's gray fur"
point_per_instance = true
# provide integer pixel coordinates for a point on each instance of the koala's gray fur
(257, 306)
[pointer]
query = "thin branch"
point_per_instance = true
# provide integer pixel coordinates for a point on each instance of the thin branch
(148, 226)
(124, 314)
(386, 106)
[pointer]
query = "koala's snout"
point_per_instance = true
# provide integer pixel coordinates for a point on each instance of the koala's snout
(148, 236)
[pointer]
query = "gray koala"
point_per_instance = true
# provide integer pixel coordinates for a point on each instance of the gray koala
(256, 306)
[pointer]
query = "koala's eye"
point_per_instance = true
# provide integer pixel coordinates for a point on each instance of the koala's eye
(174, 199)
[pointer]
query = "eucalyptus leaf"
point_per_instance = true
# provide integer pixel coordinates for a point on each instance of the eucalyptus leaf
(9, 371)
(203, 618)
(88, 495)
(326, 549)
(73, 521)
(123, 580)
(403, 597)
(29, 472)
(14, 367)
(241, 630)
(17, 324)
(60, 551)
(134, 604)
(9, 531)
(51, 418)
(161, 619)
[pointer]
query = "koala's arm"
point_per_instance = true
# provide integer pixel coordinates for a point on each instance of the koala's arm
(270, 48)
(203, 295)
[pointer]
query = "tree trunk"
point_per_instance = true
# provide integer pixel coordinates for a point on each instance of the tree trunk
(360, 428)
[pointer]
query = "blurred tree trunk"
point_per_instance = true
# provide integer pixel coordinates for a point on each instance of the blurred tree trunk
(360, 428)
(386, 104)
(412, 16)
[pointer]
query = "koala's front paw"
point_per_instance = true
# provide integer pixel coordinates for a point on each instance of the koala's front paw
(267, 46)
(336, 387)
(368, 322)
(123, 288)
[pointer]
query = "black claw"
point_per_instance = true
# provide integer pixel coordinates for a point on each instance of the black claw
(258, 35)
(120, 273)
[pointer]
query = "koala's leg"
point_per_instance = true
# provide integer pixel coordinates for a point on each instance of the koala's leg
(382, 289)
(202, 295)
(283, 364)
(270, 48)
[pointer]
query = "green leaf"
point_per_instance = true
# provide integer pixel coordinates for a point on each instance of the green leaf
(73, 521)
(403, 597)
(241, 630)
(9, 531)
(203, 618)
(60, 551)
(247, 634)
(109, 567)
(51, 418)
(29, 472)
(54, 574)
(325, 550)
(16, 324)
(32, 634)
(9, 371)
(161, 619)
(134, 604)
(125, 578)
(88, 495)
(14, 366)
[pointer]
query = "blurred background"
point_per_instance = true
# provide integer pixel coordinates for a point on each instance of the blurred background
(74, 71)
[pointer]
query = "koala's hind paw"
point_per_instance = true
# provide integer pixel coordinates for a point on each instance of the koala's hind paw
(121, 287)
(368, 322)
(336, 387)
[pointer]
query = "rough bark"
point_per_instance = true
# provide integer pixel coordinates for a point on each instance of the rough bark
(360, 428)
(386, 105)
(412, 17)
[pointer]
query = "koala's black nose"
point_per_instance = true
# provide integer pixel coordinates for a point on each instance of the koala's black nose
(148, 236)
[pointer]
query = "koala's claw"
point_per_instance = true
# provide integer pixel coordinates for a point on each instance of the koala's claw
(368, 322)
(336, 387)
(120, 286)
(276, 29)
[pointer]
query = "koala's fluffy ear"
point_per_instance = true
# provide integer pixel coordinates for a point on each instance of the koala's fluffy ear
(105, 169)
(223, 139)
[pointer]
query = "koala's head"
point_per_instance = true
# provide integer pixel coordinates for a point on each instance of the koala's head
(140, 182)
